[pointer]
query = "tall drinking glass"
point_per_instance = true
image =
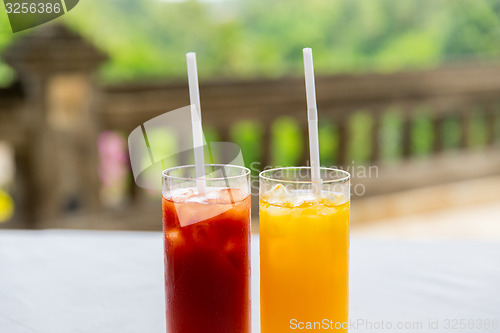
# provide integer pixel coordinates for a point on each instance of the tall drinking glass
(304, 250)
(207, 242)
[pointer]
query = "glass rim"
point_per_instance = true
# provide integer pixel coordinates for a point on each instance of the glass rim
(166, 176)
(346, 177)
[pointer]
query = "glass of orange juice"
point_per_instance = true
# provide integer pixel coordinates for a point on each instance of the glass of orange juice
(304, 250)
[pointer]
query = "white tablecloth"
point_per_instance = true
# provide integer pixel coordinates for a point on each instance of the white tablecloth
(107, 282)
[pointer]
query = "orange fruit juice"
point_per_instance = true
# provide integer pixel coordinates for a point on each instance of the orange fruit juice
(304, 263)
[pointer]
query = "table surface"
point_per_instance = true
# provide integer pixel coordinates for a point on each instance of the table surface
(55, 281)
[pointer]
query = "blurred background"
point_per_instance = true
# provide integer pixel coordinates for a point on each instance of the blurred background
(408, 99)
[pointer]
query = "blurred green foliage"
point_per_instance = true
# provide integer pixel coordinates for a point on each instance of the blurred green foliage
(255, 38)
(147, 39)
(248, 134)
(390, 135)
(287, 142)
(477, 126)
(329, 147)
(496, 126)
(360, 129)
(422, 135)
(451, 132)
(6, 36)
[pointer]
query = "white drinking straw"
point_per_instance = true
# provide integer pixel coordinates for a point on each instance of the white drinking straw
(194, 96)
(312, 117)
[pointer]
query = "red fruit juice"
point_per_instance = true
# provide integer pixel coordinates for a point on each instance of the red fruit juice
(207, 261)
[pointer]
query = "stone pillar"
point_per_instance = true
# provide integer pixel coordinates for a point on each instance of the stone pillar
(56, 68)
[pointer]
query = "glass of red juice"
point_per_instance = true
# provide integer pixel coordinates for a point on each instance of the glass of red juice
(207, 249)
